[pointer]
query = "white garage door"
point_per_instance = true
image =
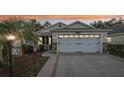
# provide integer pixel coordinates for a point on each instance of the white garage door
(84, 43)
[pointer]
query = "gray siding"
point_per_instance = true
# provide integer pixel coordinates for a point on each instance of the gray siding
(117, 39)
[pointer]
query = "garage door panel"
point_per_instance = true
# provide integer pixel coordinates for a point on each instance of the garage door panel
(79, 45)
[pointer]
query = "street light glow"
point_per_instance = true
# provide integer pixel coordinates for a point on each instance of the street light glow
(11, 37)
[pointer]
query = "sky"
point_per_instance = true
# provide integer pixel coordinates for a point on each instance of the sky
(64, 18)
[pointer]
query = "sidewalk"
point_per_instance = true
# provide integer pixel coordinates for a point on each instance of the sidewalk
(49, 67)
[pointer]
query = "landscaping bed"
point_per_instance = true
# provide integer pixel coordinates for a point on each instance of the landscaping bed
(117, 50)
(26, 66)
(119, 54)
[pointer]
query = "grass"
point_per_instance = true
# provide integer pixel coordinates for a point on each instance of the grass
(36, 67)
(26, 66)
(29, 65)
(119, 54)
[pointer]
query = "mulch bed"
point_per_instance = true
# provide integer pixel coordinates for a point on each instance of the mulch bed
(22, 64)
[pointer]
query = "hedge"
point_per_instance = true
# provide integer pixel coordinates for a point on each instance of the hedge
(27, 49)
(115, 48)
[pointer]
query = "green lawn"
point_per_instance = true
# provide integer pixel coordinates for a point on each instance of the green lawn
(25, 66)
(119, 54)
(28, 65)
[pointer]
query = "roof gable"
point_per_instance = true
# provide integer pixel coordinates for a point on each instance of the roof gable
(77, 25)
(58, 25)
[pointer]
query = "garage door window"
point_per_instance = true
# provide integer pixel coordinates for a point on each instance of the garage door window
(76, 36)
(97, 36)
(70, 36)
(65, 36)
(81, 36)
(60, 36)
(91, 36)
(86, 36)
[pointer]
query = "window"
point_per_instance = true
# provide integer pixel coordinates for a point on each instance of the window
(65, 36)
(40, 41)
(76, 36)
(91, 36)
(54, 37)
(50, 40)
(97, 36)
(109, 39)
(60, 25)
(60, 36)
(70, 36)
(81, 36)
(86, 36)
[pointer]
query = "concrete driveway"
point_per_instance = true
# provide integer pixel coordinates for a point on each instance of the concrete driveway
(92, 65)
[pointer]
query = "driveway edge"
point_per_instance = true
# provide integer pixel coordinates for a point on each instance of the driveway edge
(49, 68)
(55, 66)
(115, 57)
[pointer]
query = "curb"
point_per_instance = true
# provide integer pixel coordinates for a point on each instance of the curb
(55, 66)
(115, 57)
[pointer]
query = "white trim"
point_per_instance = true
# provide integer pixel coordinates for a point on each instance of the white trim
(57, 43)
(101, 44)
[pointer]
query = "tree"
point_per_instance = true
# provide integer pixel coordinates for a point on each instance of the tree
(36, 25)
(47, 24)
(98, 24)
(120, 21)
(23, 30)
(107, 24)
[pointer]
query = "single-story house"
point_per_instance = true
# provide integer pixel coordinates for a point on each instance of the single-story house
(75, 37)
(116, 36)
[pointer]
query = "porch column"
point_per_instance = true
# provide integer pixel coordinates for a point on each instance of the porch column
(48, 42)
(57, 44)
(43, 40)
(51, 43)
(40, 42)
(101, 44)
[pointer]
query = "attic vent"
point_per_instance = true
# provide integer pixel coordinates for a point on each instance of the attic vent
(60, 25)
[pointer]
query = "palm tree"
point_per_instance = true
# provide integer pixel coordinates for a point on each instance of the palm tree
(3, 45)
(108, 24)
(47, 24)
(36, 25)
(23, 30)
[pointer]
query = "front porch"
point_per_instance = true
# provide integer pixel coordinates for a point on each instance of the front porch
(45, 43)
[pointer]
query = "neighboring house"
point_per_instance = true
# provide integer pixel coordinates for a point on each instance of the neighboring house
(76, 37)
(116, 36)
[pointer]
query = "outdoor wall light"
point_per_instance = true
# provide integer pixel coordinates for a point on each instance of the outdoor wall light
(109, 39)
(10, 39)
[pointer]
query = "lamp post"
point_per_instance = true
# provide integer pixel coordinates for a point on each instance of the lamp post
(10, 39)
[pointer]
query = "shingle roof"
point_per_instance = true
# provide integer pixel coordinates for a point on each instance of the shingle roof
(86, 26)
(47, 30)
(118, 28)
(82, 30)
(50, 27)
(83, 27)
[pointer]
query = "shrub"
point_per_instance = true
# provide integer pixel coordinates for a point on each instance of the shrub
(36, 66)
(41, 48)
(115, 48)
(1, 65)
(27, 49)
